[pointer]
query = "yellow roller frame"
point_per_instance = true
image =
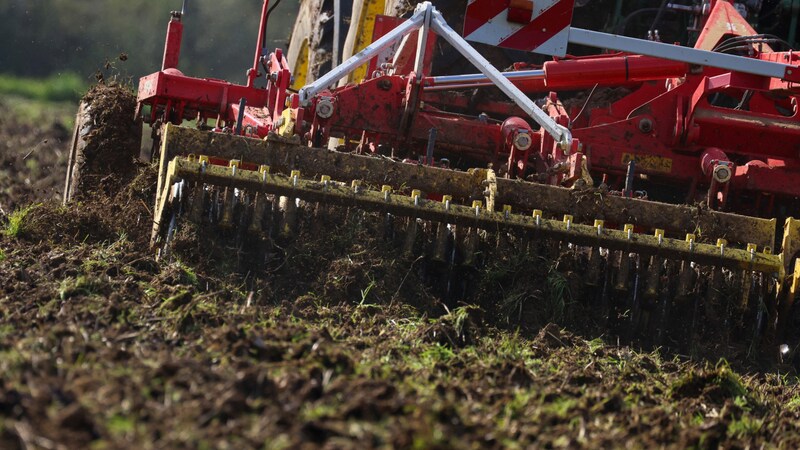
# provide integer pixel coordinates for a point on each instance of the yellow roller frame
(415, 205)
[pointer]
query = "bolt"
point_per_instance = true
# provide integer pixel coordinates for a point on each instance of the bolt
(325, 108)
(645, 125)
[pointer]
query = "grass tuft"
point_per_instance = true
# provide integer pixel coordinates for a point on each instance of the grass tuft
(16, 222)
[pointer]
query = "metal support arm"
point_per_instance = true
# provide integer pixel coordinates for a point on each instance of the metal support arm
(559, 133)
(689, 55)
(414, 23)
(426, 12)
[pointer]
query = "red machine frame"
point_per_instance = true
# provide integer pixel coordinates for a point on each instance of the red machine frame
(672, 124)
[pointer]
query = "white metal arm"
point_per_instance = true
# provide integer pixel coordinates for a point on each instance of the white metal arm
(426, 12)
(689, 55)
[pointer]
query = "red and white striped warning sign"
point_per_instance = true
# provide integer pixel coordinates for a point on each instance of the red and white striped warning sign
(540, 26)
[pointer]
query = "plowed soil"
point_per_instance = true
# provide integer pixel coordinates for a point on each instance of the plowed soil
(33, 160)
(339, 343)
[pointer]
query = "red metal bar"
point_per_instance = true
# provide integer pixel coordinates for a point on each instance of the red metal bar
(617, 70)
(201, 95)
(172, 46)
(253, 73)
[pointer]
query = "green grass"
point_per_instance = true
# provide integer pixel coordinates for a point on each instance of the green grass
(746, 426)
(68, 87)
(16, 222)
(78, 286)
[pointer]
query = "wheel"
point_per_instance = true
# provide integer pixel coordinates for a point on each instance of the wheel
(311, 51)
(105, 143)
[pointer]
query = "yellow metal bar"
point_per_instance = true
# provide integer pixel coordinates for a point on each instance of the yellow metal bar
(365, 28)
(477, 216)
(283, 155)
(300, 69)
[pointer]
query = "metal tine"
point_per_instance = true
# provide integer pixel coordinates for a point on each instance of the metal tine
(389, 219)
(469, 247)
(603, 304)
(595, 259)
(319, 211)
(686, 279)
(441, 243)
(212, 213)
(634, 298)
(177, 201)
(228, 203)
(288, 207)
(680, 292)
(229, 200)
(694, 330)
(593, 268)
(665, 305)
(622, 279)
(412, 229)
(654, 270)
(288, 220)
(259, 205)
(746, 278)
(771, 303)
(758, 311)
(711, 311)
(389, 227)
(197, 203)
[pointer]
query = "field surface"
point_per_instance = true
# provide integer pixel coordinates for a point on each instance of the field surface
(341, 343)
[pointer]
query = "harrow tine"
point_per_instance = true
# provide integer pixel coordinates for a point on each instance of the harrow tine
(389, 232)
(441, 243)
(409, 243)
(288, 220)
(469, 247)
(259, 206)
(686, 279)
(622, 279)
(664, 305)
(713, 296)
(654, 270)
(198, 202)
(593, 267)
(634, 299)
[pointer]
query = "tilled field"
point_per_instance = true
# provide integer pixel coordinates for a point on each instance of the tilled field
(342, 344)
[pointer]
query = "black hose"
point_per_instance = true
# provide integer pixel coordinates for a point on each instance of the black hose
(661, 10)
(269, 11)
(623, 24)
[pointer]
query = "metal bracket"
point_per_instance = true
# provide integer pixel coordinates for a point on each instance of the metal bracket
(559, 133)
(414, 23)
(426, 14)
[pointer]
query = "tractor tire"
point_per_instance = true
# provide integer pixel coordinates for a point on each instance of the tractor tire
(311, 46)
(105, 144)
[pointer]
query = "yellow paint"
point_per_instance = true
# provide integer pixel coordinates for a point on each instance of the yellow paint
(300, 69)
(289, 119)
(366, 26)
(649, 162)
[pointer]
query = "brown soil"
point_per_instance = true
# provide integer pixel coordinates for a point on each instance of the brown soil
(334, 341)
(107, 142)
(32, 161)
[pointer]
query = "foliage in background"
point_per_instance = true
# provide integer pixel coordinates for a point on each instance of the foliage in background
(55, 88)
(44, 37)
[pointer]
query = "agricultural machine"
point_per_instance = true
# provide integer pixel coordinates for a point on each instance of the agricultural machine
(671, 169)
